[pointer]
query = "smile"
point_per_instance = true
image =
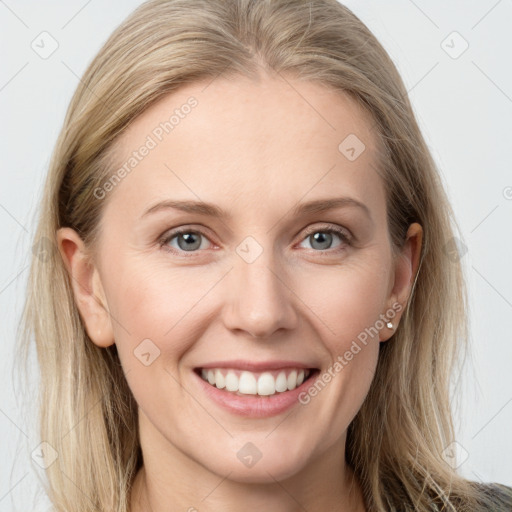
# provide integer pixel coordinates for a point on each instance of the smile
(266, 383)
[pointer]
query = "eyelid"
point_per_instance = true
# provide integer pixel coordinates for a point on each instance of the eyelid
(343, 233)
(326, 227)
(168, 235)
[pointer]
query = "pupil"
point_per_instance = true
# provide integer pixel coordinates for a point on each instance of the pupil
(189, 241)
(322, 237)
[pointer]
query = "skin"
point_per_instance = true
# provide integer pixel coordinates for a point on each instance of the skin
(255, 149)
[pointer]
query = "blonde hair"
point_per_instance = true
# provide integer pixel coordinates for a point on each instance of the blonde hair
(87, 412)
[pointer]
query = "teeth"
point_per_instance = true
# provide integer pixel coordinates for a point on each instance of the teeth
(249, 383)
(281, 383)
(292, 380)
(231, 381)
(266, 384)
(220, 381)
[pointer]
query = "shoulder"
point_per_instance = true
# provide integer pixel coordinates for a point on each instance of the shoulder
(496, 497)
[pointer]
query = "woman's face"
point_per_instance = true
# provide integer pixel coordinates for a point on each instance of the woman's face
(264, 283)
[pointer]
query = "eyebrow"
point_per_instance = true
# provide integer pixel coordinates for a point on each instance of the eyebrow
(211, 210)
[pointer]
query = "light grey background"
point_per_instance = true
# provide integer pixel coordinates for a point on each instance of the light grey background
(464, 106)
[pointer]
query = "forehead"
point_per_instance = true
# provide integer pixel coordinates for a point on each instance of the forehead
(252, 145)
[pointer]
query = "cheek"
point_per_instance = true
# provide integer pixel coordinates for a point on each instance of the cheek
(151, 301)
(154, 316)
(346, 300)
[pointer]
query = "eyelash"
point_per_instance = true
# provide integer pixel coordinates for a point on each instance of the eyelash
(327, 228)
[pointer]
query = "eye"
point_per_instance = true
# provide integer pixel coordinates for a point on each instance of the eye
(322, 237)
(187, 240)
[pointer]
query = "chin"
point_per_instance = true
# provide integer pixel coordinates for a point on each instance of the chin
(269, 468)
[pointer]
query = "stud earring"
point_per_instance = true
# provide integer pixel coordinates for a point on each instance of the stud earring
(389, 325)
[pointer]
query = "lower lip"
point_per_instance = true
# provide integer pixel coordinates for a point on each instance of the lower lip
(254, 406)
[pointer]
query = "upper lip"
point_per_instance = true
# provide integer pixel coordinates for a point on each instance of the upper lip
(253, 366)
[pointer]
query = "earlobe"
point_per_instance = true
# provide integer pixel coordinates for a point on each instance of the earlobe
(406, 269)
(87, 287)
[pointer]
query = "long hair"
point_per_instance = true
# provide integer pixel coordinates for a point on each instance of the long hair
(397, 442)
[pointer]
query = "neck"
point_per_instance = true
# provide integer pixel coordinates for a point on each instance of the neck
(324, 485)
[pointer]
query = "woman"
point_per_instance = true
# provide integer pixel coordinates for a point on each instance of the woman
(217, 376)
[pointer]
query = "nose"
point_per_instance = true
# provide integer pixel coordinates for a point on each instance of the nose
(260, 298)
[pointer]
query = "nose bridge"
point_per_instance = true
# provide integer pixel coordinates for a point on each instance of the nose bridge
(261, 297)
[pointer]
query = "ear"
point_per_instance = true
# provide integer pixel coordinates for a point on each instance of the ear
(87, 287)
(405, 269)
